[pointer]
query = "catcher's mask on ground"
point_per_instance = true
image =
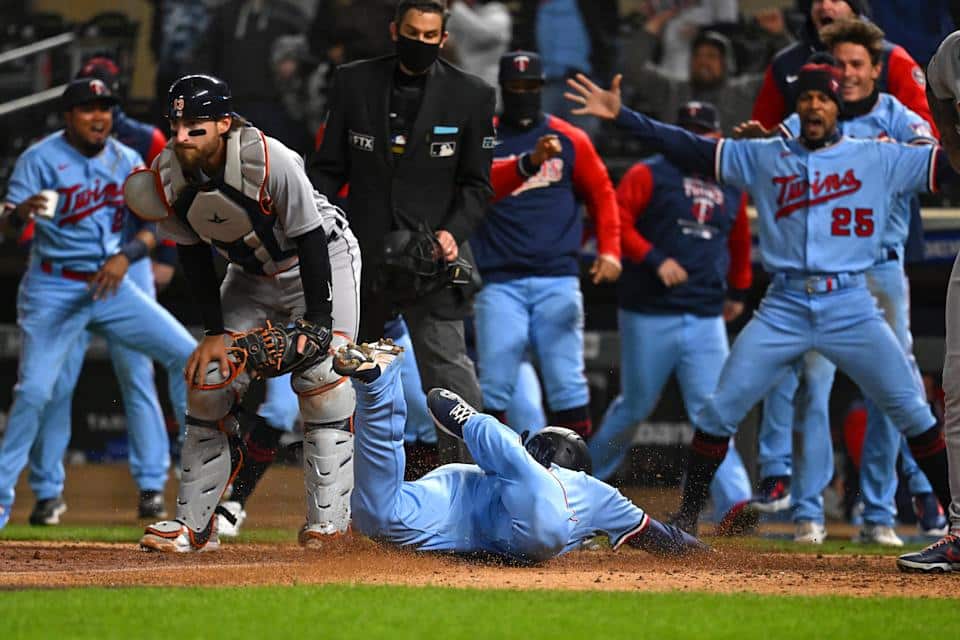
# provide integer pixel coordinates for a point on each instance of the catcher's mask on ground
(560, 446)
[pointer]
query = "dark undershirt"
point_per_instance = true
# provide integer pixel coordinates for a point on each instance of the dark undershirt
(406, 96)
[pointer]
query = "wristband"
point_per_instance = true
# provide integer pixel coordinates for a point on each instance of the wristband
(134, 250)
(526, 166)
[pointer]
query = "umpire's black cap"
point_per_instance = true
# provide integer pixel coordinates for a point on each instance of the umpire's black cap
(85, 91)
(698, 116)
(521, 65)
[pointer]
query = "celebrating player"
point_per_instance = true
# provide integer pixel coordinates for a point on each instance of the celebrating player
(526, 503)
(823, 202)
(866, 113)
(943, 93)
(78, 266)
(526, 250)
(293, 261)
(684, 238)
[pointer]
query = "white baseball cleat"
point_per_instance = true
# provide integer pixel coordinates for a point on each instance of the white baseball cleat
(230, 517)
(809, 532)
(172, 536)
(316, 535)
(878, 534)
(366, 361)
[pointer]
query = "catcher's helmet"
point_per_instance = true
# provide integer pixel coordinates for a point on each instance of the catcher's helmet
(560, 446)
(199, 97)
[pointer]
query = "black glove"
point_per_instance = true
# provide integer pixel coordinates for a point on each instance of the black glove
(274, 351)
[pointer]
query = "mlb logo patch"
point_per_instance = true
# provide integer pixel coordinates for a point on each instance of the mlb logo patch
(361, 141)
(443, 149)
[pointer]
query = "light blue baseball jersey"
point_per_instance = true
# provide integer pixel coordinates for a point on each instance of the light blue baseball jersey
(823, 211)
(87, 227)
(891, 121)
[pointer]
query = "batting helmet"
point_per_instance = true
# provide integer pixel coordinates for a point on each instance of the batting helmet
(560, 446)
(199, 97)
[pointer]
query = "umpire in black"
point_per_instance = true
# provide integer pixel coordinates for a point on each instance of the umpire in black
(413, 136)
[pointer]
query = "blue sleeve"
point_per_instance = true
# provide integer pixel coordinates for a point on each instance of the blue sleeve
(908, 127)
(26, 180)
(614, 514)
(737, 162)
(690, 152)
(790, 128)
(909, 168)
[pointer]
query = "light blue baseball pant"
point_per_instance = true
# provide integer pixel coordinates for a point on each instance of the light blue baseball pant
(544, 315)
(149, 451)
(524, 413)
(53, 313)
(844, 325)
(445, 510)
(281, 405)
(419, 423)
(651, 348)
(882, 442)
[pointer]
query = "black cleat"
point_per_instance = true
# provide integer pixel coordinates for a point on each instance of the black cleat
(449, 411)
(151, 505)
(47, 512)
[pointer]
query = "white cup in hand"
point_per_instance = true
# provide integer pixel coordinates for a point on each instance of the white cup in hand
(50, 209)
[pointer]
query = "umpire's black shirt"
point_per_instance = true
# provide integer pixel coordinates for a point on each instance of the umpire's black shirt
(441, 175)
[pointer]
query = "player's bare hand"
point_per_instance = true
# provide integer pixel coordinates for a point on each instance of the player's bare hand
(605, 269)
(30, 206)
(594, 100)
(548, 146)
(751, 129)
(448, 244)
(731, 310)
(210, 349)
(107, 280)
(162, 274)
(671, 273)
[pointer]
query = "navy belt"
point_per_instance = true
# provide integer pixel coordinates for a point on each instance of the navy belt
(818, 283)
(889, 254)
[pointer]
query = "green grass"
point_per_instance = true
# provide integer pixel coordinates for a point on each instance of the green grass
(125, 534)
(403, 612)
(829, 546)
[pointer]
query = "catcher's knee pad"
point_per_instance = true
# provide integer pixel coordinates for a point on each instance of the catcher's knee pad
(213, 399)
(209, 462)
(328, 474)
(325, 396)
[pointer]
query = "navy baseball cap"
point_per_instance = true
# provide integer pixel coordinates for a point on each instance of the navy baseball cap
(696, 115)
(520, 65)
(104, 68)
(84, 91)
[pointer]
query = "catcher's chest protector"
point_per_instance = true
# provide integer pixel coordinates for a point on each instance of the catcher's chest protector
(233, 212)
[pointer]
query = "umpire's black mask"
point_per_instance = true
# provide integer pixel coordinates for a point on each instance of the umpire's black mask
(415, 55)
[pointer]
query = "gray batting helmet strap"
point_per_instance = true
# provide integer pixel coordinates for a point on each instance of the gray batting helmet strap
(560, 446)
(199, 97)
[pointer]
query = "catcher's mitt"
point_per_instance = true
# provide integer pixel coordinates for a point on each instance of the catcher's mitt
(273, 351)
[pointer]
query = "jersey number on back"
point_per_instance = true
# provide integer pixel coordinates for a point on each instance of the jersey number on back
(862, 220)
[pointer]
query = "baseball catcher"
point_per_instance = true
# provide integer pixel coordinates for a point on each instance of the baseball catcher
(290, 293)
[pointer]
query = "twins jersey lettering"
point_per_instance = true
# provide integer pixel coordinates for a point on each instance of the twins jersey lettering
(88, 223)
(888, 121)
(823, 211)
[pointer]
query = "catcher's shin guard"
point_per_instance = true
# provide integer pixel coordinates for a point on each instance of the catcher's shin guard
(209, 461)
(327, 401)
(328, 477)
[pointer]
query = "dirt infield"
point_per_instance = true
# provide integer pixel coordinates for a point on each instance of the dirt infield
(106, 499)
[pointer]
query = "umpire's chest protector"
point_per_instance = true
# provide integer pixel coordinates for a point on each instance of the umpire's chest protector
(234, 212)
